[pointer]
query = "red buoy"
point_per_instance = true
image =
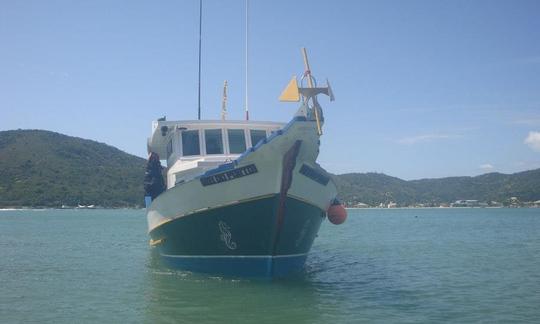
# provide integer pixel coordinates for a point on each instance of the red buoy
(337, 214)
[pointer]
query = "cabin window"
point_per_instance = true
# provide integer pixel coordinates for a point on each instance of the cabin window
(237, 141)
(257, 135)
(214, 141)
(190, 143)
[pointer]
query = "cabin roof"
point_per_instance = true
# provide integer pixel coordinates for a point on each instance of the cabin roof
(215, 123)
(163, 129)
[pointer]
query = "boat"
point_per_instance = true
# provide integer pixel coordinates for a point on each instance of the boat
(79, 206)
(242, 197)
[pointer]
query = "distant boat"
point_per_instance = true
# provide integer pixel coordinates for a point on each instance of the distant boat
(242, 197)
(79, 206)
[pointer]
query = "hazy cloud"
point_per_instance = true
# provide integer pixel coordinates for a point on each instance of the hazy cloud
(487, 167)
(533, 140)
(527, 165)
(425, 138)
(528, 121)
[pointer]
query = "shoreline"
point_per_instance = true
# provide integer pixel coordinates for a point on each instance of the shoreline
(502, 207)
(351, 208)
(54, 208)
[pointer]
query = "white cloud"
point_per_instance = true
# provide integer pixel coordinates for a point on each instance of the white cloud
(528, 121)
(533, 140)
(425, 138)
(487, 167)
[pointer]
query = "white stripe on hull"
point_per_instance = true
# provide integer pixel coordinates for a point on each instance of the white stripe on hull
(234, 256)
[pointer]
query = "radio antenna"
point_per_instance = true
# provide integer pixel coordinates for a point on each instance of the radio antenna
(246, 103)
(200, 38)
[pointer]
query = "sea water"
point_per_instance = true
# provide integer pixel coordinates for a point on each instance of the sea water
(406, 266)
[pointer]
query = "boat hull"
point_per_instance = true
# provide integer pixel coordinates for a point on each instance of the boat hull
(256, 237)
(255, 216)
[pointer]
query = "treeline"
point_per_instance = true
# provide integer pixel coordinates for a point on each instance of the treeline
(376, 188)
(46, 169)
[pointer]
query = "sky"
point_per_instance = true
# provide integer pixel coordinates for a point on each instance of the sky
(423, 89)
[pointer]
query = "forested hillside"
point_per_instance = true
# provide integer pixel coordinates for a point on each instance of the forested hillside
(376, 188)
(43, 168)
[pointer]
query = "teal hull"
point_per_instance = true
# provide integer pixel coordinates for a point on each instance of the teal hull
(251, 238)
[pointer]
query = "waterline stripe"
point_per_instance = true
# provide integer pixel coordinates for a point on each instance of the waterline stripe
(234, 256)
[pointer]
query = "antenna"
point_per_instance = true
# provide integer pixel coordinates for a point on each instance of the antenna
(246, 103)
(224, 102)
(200, 33)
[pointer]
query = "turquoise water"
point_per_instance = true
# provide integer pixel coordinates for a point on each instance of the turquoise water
(407, 266)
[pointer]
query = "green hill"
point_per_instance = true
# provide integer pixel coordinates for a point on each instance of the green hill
(376, 188)
(46, 169)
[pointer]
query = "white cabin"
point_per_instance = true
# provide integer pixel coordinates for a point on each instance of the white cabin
(192, 147)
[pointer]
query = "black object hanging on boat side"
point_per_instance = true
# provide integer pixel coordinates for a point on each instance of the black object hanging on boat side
(154, 184)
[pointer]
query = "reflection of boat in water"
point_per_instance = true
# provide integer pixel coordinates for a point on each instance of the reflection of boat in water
(170, 295)
(242, 197)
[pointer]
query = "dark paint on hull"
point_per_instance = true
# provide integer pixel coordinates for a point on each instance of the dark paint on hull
(240, 239)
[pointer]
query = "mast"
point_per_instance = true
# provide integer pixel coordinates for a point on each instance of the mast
(307, 74)
(200, 41)
(246, 103)
(292, 93)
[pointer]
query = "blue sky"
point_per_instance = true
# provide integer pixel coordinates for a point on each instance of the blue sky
(423, 88)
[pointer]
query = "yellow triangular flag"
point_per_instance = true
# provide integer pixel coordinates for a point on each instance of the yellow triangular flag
(291, 91)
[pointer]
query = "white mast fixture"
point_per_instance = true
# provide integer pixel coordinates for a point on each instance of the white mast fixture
(224, 102)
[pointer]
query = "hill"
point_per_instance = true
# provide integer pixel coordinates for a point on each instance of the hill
(46, 169)
(376, 188)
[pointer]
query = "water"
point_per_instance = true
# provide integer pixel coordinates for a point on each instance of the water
(407, 266)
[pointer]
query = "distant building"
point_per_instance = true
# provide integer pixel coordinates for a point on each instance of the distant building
(391, 205)
(361, 205)
(466, 203)
(514, 202)
(495, 204)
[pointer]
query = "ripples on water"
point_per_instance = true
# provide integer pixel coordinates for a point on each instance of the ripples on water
(453, 265)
